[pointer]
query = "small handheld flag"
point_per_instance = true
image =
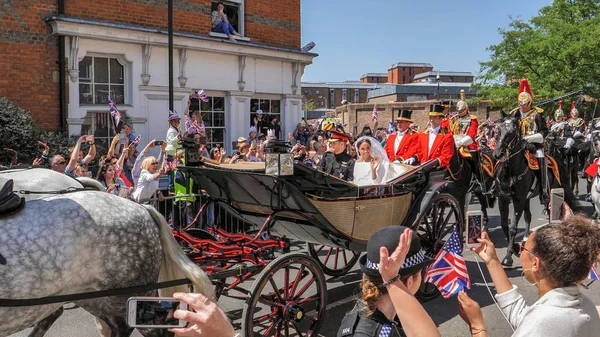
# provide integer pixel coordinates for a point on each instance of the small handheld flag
(449, 272)
(114, 112)
(375, 114)
(193, 126)
(391, 128)
(137, 139)
(200, 95)
(489, 121)
(593, 275)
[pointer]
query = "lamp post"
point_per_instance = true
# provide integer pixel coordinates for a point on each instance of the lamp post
(437, 78)
(324, 99)
(170, 48)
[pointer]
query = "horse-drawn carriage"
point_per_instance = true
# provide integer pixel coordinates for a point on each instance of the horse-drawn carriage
(334, 217)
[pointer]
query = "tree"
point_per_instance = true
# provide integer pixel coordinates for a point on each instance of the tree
(308, 105)
(558, 51)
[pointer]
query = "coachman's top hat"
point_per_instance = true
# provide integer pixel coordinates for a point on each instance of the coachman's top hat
(436, 110)
(404, 115)
(389, 237)
(336, 136)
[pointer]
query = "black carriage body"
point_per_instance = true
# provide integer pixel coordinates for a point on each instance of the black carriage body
(315, 207)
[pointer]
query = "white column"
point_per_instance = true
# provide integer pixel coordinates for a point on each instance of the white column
(291, 114)
(237, 117)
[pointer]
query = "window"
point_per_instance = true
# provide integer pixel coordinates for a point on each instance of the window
(213, 116)
(356, 96)
(344, 94)
(331, 99)
(318, 92)
(271, 108)
(101, 78)
(101, 125)
(234, 9)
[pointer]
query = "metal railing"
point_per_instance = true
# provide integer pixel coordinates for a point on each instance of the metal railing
(200, 213)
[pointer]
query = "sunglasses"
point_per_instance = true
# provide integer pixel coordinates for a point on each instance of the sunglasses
(154, 163)
(522, 248)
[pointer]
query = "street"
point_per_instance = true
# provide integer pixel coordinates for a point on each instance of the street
(343, 290)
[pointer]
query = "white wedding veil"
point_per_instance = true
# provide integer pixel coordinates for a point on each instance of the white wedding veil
(376, 148)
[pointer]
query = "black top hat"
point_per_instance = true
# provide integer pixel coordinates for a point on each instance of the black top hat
(388, 237)
(436, 110)
(404, 115)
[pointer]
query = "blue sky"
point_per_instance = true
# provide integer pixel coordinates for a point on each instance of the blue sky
(356, 37)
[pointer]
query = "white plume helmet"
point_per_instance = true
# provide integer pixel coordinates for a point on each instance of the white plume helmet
(270, 133)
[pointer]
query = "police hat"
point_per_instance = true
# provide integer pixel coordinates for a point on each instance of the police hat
(389, 237)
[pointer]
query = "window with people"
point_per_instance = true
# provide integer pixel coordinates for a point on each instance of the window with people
(265, 115)
(227, 18)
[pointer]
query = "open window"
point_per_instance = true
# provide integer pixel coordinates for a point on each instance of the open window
(234, 9)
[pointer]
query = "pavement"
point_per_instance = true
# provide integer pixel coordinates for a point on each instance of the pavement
(343, 290)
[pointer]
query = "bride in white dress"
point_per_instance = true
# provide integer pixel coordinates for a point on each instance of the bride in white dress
(372, 163)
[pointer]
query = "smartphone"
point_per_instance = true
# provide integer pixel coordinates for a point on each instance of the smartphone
(158, 142)
(474, 228)
(557, 196)
(154, 312)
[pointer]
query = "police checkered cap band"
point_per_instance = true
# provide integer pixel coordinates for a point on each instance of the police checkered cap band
(410, 261)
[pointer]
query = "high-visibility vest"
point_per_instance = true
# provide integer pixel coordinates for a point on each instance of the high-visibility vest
(182, 190)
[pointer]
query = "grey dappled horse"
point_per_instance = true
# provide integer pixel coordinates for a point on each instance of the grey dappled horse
(80, 242)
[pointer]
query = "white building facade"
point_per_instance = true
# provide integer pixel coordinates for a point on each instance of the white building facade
(129, 64)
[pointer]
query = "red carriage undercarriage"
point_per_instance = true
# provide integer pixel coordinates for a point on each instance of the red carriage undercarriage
(333, 217)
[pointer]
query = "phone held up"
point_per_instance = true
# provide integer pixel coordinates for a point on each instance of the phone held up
(474, 228)
(154, 312)
(158, 142)
(557, 197)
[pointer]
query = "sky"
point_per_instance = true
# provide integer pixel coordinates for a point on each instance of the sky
(357, 37)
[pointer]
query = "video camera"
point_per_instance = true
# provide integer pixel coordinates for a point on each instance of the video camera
(191, 149)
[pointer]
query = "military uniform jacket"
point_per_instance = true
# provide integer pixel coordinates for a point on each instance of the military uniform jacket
(442, 148)
(577, 124)
(465, 126)
(355, 324)
(339, 165)
(409, 146)
(531, 122)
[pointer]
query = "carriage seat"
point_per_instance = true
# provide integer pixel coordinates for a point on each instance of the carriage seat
(10, 202)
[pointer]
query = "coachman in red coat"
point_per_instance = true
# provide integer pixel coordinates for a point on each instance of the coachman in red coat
(403, 145)
(435, 142)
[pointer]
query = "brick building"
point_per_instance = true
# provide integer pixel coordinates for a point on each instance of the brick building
(374, 78)
(64, 58)
(328, 95)
(404, 72)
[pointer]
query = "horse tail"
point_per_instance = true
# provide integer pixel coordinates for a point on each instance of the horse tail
(175, 264)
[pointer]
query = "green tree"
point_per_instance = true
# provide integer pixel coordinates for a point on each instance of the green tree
(308, 105)
(558, 51)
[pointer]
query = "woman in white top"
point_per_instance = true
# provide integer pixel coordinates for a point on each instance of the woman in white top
(372, 163)
(147, 183)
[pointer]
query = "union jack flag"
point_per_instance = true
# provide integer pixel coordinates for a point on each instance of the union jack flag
(201, 95)
(489, 121)
(116, 115)
(375, 114)
(169, 166)
(137, 139)
(391, 128)
(193, 126)
(593, 275)
(449, 272)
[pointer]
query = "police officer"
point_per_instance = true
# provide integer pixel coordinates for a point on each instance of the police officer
(336, 161)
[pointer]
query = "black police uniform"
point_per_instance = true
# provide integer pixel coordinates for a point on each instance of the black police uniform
(339, 165)
(356, 324)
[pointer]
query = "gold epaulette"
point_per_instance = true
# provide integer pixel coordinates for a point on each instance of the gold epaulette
(513, 111)
(538, 110)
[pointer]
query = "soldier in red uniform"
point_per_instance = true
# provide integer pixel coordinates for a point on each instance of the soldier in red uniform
(403, 144)
(464, 128)
(436, 142)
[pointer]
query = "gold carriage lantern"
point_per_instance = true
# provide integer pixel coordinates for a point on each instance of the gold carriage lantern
(279, 160)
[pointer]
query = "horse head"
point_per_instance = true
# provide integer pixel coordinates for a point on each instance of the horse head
(508, 136)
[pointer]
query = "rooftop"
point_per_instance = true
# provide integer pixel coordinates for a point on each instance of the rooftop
(443, 73)
(339, 85)
(446, 88)
(374, 75)
(411, 64)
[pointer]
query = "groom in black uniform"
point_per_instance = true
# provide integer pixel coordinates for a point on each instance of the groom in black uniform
(336, 161)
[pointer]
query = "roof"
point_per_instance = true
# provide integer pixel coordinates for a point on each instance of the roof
(442, 73)
(446, 88)
(411, 64)
(374, 75)
(339, 85)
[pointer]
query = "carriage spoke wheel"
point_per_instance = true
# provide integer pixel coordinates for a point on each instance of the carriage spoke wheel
(287, 299)
(434, 229)
(333, 261)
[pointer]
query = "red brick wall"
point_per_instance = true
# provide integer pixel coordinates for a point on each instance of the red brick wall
(28, 59)
(266, 21)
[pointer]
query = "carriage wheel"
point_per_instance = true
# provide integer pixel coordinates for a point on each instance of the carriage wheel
(333, 261)
(287, 299)
(434, 227)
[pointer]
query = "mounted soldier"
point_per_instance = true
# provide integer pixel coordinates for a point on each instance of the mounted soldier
(464, 128)
(575, 122)
(533, 130)
(558, 124)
